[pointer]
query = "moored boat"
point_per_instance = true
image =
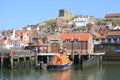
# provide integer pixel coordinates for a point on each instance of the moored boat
(60, 61)
(60, 67)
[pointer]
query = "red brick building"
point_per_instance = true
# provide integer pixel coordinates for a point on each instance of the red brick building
(78, 42)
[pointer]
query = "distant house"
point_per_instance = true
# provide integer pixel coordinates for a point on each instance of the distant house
(2, 46)
(9, 34)
(12, 44)
(116, 28)
(113, 36)
(114, 15)
(33, 36)
(80, 20)
(108, 42)
(22, 44)
(7, 44)
(99, 33)
(20, 34)
(29, 36)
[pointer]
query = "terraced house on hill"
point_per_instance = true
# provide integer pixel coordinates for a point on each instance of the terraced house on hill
(108, 42)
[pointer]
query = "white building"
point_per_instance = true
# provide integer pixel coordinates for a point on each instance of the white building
(116, 28)
(81, 21)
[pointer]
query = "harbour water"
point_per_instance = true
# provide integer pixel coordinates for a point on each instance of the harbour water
(92, 72)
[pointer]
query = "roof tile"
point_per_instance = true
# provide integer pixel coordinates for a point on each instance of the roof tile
(81, 36)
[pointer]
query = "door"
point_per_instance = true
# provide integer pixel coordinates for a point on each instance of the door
(54, 47)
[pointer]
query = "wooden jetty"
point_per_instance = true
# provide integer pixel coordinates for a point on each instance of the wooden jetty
(25, 58)
(18, 59)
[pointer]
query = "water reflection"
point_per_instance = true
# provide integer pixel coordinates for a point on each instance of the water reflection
(93, 72)
(64, 75)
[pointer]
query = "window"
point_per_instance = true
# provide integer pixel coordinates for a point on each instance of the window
(68, 40)
(114, 39)
(76, 40)
(109, 40)
(35, 39)
(97, 39)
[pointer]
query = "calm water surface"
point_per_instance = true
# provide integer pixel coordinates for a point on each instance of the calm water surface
(93, 72)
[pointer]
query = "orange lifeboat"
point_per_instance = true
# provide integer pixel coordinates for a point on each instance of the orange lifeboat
(60, 61)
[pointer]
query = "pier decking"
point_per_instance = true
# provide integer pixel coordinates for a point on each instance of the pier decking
(21, 59)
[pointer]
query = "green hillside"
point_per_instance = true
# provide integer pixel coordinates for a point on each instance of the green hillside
(113, 20)
(51, 21)
(97, 20)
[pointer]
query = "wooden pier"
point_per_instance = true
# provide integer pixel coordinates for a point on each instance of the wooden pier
(18, 59)
(22, 59)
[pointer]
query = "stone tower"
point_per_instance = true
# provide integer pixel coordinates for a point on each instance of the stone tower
(64, 13)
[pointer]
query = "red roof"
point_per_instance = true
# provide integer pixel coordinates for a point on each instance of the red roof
(20, 32)
(81, 36)
(39, 42)
(112, 15)
(2, 41)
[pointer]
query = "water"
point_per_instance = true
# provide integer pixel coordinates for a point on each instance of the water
(93, 72)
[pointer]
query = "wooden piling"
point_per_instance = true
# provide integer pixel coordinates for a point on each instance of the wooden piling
(36, 57)
(30, 58)
(24, 60)
(100, 58)
(2, 61)
(11, 61)
(81, 61)
(48, 59)
(18, 60)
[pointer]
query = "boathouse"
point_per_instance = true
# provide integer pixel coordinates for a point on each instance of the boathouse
(77, 42)
(74, 42)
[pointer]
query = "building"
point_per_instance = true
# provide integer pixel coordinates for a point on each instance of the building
(77, 42)
(81, 21)
(74, 42)
(109, 42)
(65, 13)
(114, 15)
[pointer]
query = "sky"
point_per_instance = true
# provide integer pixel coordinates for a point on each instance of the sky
(16, 14)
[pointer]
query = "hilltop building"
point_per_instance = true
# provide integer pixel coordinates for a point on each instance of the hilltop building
(65, 13)
(80, 20)
(114, 15)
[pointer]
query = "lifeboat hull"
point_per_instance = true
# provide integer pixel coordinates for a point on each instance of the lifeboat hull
(60, 67)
